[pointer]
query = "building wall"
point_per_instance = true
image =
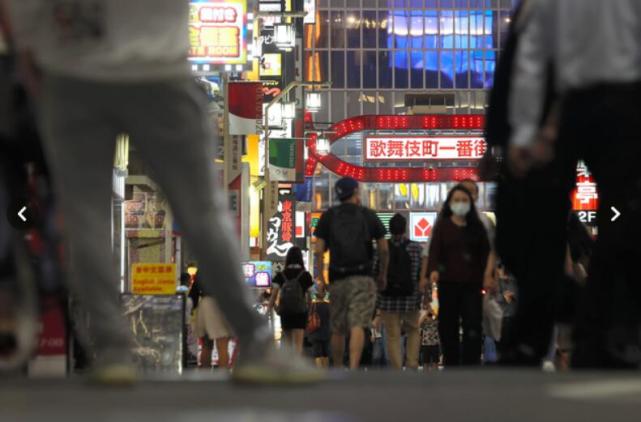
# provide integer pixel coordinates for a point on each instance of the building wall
(377, 51)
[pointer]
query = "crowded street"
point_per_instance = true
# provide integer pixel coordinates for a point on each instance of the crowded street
(320, 210)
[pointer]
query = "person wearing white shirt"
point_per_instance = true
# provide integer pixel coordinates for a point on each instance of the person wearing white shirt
(594, 50)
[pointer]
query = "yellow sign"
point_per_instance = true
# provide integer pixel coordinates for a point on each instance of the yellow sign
(153, 279)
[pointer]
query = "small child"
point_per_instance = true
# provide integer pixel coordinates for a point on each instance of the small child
(430, 341)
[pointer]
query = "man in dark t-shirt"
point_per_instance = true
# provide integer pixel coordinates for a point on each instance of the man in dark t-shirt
(348, 231)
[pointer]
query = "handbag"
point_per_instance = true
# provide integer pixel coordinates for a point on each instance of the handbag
(313, 319)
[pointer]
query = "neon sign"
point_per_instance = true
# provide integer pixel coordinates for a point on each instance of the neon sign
(217, 32)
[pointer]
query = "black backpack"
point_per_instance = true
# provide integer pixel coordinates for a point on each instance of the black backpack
(399, 273)
(292, 297)
(348, 241)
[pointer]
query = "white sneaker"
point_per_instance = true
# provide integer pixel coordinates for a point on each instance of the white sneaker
(277, 367)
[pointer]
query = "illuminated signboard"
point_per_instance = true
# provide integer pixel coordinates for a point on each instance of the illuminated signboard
(385, 217)
(421, 225)
(217, 31)
(258, 273)
(585, 197)
(424, 148)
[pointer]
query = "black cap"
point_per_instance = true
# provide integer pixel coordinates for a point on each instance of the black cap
(345, 187)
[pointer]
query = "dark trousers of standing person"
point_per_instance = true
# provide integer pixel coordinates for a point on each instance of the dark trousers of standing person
(531, 241)
(460, 305)
(603, 125)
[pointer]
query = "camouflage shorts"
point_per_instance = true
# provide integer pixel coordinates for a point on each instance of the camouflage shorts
(352, 303)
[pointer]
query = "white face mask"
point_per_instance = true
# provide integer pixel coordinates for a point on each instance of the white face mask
(460, 209)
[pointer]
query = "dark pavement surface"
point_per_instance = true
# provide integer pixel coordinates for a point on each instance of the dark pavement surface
(482, 395)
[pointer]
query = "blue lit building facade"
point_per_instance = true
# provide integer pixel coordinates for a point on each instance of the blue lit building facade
(377, 52)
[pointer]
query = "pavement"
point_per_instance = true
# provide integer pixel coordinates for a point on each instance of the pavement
(472, 395)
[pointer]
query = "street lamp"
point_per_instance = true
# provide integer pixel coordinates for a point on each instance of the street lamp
(313, 102)
(322, 146)
(284, 36)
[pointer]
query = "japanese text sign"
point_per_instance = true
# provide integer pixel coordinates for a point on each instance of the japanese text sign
(424, 148)
(217, 31)
(585, 197)
(153, 279)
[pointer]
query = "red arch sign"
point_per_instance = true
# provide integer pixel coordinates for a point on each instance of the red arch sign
(394, 122)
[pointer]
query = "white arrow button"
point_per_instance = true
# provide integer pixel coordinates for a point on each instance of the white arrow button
(616, 212)
(21, 214)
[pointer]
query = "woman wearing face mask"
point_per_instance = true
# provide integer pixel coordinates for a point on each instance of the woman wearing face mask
(459, 262)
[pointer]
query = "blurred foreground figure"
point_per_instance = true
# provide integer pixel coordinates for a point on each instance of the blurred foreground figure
(593, 50)
(103, 67)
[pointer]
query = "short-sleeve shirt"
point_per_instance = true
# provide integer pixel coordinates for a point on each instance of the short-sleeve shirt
(376, 231)
(306, 281)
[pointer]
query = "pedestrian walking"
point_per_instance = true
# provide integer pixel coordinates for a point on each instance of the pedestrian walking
(400, 303)
(594, 50)
(318, 332)
(349, 231)
(101, 68)
(290, 295)
(210, 326)
(459, 261)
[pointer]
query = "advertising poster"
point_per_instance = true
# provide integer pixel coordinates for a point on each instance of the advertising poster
(217, 31)
(585, 196)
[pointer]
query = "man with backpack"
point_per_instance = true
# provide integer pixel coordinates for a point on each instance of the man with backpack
(348, 231)
(400, 303)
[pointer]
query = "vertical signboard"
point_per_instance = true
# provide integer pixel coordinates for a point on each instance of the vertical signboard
(281, 231)
(217, 31)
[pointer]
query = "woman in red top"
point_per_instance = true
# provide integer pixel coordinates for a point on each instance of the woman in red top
(458, 262)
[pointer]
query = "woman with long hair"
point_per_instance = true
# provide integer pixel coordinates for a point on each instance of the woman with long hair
(459, 261)
(290, 296)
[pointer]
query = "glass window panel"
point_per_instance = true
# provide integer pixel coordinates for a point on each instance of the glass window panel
(476, 68)
(385, 102)
(338, 69)
(337, 30)
(321, 33)
(321, 69)
(385, 62)
(353, 29)
(353, 103)
(338, 106)
(490, 67)
(400, 29)
(461, 29)
(337, 4)
(353, 69)
(323, 114)
(417, 64)
(431, 69)
(416, 29)
(446, 29)
(400, 69)
(447, 69)
(416, 4)
(370, 26)
(431, 4)
(324, 4)
(370, 4)
(369, 100)
(369, 69)
(353, 4)
(431, 24)
(384, 30)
